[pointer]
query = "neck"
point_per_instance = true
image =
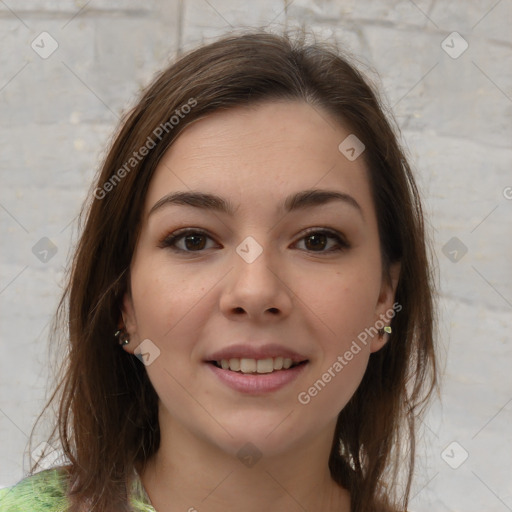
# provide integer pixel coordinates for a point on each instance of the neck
(191, 474)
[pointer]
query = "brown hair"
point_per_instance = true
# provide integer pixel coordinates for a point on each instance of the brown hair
(107, 417)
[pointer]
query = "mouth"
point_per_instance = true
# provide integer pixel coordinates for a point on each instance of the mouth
(257, 366)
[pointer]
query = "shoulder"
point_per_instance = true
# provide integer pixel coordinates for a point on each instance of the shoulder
(41, 492)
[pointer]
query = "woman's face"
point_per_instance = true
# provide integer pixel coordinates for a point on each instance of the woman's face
(238, 270)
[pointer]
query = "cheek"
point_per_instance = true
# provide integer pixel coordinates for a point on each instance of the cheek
(344, 305)
(166, 297)
(345, 308)
(343, 300)
(172, 306)
(330, 391)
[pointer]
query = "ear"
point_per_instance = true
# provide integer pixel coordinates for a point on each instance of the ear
(129, 320)
(385, 310)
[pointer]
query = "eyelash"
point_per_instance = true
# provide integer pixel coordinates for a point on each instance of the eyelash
(169, 241)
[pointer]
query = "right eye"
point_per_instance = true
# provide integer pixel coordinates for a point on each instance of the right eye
(186, 240)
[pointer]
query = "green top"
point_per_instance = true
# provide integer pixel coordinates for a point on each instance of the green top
(46, 492)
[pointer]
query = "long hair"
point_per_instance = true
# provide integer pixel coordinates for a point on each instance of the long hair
(107, 422)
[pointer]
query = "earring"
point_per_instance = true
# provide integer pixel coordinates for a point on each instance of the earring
(387, 329)
(122, 336)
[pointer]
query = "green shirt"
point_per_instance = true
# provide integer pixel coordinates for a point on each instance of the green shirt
(46, 492)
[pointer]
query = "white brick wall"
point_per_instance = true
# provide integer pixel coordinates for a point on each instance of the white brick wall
(57, 115)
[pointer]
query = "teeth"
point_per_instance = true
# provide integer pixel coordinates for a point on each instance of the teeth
(245, 365)
(234, 364)
(265, 365)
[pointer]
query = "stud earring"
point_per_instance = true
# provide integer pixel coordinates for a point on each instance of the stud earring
(122, 336)
(387, 329)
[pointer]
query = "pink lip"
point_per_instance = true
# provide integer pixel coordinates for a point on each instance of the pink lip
(257, 384)
(251, 351)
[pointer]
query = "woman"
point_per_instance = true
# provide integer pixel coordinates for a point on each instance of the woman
(250, 305)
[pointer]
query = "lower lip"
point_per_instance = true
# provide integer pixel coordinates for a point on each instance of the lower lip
(257, 383)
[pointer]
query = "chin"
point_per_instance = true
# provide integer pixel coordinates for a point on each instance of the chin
(268, 434)
(256, 445)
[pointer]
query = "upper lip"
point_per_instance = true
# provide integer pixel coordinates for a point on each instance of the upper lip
(252, 351)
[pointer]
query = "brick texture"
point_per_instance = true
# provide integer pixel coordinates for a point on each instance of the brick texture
(452, 104)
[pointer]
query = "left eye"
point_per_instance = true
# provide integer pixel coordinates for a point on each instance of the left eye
(323, 241)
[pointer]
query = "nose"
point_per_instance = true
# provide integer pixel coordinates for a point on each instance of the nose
(257, 290)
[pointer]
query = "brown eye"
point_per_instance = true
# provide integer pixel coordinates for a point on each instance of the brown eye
(187, 240)
(194, 242)
(324, 241)
(316, 242)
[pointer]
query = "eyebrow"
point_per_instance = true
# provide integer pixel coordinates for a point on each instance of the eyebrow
(298, 201)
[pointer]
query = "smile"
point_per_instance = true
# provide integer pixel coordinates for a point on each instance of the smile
(247, 365)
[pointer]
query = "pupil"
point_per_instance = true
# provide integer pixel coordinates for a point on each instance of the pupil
(318, 241)
(198, 241)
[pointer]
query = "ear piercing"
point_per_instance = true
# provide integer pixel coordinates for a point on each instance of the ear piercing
(387, 329)
(122, 336)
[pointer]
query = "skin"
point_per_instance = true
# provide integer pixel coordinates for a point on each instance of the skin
(316, 302)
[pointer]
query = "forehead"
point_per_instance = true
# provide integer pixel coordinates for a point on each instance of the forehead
(260, 153)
